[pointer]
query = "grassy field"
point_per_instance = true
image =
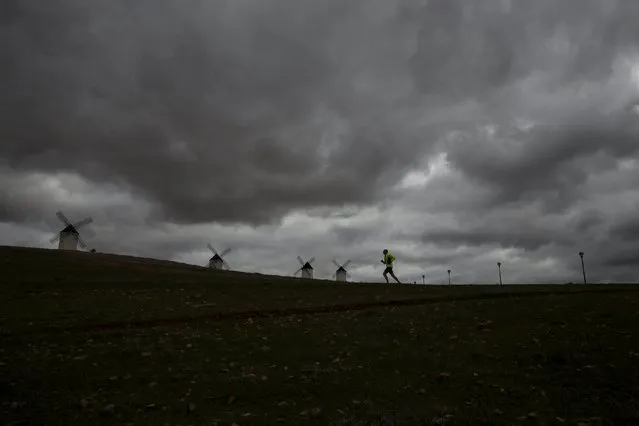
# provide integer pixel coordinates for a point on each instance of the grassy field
(96, 339)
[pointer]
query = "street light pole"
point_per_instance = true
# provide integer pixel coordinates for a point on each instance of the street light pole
(499, 267)
(449, 277)
(424, 279)
(583, 268)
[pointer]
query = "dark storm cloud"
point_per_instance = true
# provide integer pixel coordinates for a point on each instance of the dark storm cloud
(474, 48)
(214, 111)
(549, 162)
(242, 111)
(236, 111)
(34, 198)
(588, 221)
(529, 239)
(627, 230)
(630, 259)
(555, 62)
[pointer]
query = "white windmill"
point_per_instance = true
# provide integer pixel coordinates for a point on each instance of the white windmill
(69, 236)
(341, 273)
(217, 260)
(306, 268)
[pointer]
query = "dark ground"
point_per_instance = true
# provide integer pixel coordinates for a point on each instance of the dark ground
(102, 339)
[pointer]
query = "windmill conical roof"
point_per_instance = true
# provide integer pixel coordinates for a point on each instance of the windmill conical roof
(69, 229)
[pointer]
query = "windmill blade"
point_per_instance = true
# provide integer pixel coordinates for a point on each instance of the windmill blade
(55, 238)
(225, 252)
(300, 260)
(311, 260)
(81, 242)
(225, 264)
(348, 262)
(336, 264)
(211, 248)
(62, 217)
(296, 272)
(83, 222)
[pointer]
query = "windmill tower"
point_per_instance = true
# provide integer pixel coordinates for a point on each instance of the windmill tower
(341, 274)
(306, 268)
(217, 260)
(69, 237)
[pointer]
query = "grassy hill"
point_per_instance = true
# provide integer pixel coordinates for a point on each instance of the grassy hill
(107, 339)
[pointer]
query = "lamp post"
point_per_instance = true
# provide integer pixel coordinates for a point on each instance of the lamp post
(499, 267)
(449, 277)
(423, 278)
(583, 268)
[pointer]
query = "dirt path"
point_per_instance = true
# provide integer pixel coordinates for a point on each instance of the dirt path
(315, 310)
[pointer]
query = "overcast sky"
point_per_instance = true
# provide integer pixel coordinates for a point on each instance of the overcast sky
(456, 133)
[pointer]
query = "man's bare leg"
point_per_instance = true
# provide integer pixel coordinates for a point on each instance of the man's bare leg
(393, 275)
(385, 277)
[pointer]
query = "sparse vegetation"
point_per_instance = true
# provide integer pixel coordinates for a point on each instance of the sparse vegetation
(458, 355)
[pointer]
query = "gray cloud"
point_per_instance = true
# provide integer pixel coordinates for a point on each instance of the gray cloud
(626, 228)
(454, 132)
(207, 109)
(630, 259)
(554, 159)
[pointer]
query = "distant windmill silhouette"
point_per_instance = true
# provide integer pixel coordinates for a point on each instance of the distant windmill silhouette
(499, 267)
(69, 237)
(449, 277)
(217, 261)
(341, 274)
(583, 268)
(305, 268)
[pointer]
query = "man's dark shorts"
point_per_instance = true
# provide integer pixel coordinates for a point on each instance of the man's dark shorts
(388, 270)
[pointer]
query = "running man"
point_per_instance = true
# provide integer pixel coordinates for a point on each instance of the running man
(388, 261)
